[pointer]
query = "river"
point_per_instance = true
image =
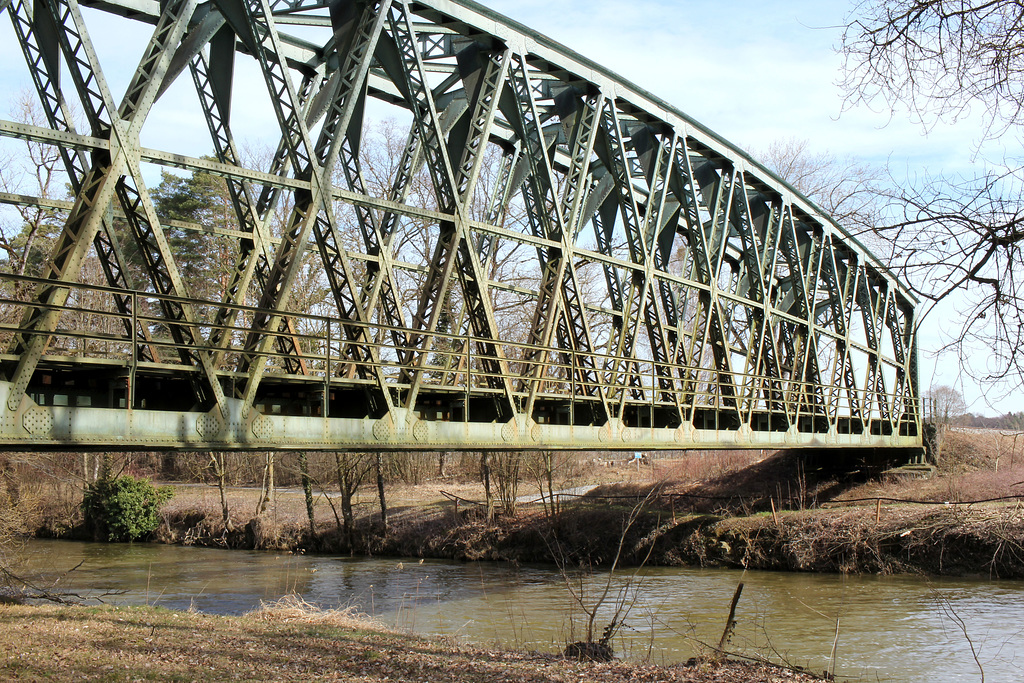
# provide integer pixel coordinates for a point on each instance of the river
(898, 628)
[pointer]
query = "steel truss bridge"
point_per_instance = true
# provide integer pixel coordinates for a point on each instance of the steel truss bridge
(550, 258)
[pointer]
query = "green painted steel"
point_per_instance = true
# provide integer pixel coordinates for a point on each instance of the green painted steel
(550, 257)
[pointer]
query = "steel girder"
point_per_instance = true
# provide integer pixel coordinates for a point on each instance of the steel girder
(554, 258)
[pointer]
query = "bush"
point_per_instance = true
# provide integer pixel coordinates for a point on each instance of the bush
(123, 508)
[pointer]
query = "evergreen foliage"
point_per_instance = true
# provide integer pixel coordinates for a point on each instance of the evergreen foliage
(203, 257)
(123, 508)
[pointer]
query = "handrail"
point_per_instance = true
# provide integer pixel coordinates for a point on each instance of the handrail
(324, 349)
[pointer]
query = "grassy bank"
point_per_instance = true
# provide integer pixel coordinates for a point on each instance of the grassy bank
(290, 641)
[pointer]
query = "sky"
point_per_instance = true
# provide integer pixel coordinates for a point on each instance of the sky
(754, 72)
(762, 71)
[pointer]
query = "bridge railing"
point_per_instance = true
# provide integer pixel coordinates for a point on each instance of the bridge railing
(94, 334)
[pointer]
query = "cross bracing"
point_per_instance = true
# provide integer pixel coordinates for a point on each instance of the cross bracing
(542, 255)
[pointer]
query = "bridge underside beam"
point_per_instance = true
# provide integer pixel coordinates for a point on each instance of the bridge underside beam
(290, 418)
(538, 255)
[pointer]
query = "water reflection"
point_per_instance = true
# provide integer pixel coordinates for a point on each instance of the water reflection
(897, 628)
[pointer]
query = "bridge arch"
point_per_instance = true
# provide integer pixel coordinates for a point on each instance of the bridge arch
(668, 290)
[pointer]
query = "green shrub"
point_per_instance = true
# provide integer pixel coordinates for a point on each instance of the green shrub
(123, 508)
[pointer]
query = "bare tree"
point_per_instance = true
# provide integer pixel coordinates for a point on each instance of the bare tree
(18, 515)
(845, 187)
(485, 476)
(952, 235)
(946, 404)
(219, 466)
(505, 466)
(378, 469)
(38, 173)
(541, 464)
(351, 469)
(963, 236)
(307, 490)
(551, 470)
(940, 58)
(268, 493)
(591, 599)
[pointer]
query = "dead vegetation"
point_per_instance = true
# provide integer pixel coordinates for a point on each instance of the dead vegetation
(293, 642)
(984, 540)
(744, 509)
(292, 609)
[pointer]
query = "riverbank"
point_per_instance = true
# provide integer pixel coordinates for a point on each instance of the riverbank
(771, 515)
(742, 510)
(291, 641)
(977, 540)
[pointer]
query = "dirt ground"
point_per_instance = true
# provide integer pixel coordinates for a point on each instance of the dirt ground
(291, 642)
(977, 465)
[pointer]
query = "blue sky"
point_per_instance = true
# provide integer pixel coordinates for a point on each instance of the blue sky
(752, 71)
(761, 71)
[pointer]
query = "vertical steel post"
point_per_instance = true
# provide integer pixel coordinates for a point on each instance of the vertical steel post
(130, 398)
(327, 375)
(469, 374)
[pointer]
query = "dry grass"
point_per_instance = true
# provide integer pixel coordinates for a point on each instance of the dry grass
(293, 609)
(965, 450)
(978, 485)
(149, 644)
(698, 466)
(976, 465)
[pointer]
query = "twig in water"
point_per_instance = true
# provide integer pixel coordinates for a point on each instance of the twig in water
(832, 657)
(730, 624)
(32, 591)
(947, 609)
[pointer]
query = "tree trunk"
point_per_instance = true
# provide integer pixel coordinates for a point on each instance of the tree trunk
(346, 488)
(271, 483)
(348, 519)
(549, 467)
(485, 473)
(219, 468)
(379, 465)
(267, 492)
(307, 489)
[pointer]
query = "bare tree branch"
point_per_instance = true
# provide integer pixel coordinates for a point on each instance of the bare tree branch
(951, 237)
(963, 237)
(938, 57)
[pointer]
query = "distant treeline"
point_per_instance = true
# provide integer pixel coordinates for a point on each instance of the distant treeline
(1010, 421)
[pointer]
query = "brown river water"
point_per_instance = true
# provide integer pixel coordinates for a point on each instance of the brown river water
(890, 628)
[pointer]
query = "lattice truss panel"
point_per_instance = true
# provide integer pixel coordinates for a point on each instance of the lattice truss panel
(545, 244)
